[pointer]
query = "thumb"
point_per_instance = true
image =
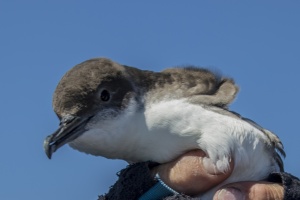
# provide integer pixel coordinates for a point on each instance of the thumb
(187, 174)
(250, 191)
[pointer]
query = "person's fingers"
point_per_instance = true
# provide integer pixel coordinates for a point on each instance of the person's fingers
(187, 174)
(250, 191)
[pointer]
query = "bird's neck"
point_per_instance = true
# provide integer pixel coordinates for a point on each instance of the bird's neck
(148, 80)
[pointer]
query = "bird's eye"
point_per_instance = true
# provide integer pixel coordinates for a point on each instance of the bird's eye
(105, 96)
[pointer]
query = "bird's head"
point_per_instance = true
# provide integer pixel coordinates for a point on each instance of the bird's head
(86, 91)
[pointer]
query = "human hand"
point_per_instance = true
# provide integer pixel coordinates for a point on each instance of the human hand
(259, 190)
(187, 175)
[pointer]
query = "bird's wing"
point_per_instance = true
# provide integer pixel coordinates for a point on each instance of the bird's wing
(201, 86)
(274, 141)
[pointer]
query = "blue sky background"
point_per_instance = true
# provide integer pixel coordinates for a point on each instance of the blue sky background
(256, 42)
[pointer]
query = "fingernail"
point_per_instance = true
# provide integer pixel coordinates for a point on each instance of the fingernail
(230, 194)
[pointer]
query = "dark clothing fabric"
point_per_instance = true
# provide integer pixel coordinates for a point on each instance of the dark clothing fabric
(290, 183)
(136, 179)
(133, 181)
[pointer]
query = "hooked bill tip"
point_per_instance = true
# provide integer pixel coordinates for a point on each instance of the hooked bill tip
(48, 147)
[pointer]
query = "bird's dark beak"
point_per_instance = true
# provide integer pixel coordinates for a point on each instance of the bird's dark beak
(70, 128)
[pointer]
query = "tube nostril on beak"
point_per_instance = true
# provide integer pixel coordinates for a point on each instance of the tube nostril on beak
(66, 119)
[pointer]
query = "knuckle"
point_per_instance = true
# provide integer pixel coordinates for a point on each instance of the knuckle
(270, 191)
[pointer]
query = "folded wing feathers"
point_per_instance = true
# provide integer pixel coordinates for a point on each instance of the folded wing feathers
(275, 142)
